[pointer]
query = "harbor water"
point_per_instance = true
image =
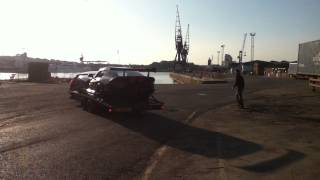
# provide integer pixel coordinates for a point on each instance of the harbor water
(160, 77)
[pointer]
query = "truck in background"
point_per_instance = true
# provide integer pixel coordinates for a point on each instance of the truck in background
(309, 60)
(292, 70)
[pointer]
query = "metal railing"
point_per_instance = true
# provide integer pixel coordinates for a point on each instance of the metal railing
(314, 83)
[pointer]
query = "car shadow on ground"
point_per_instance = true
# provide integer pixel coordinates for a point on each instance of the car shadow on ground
(293, 111)
(200, 141)
(273, 164)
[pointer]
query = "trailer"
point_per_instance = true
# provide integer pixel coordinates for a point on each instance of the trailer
(120, 89)
(292, 70)
(92, 103)
(309, 63)
(309, 60)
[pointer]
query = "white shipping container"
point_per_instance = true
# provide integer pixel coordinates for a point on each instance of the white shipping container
(293, 67)
(309, 58)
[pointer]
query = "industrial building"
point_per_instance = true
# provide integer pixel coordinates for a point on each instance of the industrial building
(261, 68)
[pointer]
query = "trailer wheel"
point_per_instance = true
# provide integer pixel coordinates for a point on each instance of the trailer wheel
(71, 96)
(137, 109)
(137, 112)
(91, 106)
(84, 104)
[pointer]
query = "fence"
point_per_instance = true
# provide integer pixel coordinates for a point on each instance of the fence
(314, 83)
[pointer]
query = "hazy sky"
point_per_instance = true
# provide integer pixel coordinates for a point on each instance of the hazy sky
(143, 30)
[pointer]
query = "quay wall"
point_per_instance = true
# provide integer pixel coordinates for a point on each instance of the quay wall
(187, 79)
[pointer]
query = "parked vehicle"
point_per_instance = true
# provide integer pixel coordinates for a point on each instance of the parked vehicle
(118, 89)
(292, 70)
(80, 82)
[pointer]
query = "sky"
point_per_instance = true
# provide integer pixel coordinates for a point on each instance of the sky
(142, 31)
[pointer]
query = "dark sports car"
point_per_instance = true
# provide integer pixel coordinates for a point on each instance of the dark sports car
(122, 85)
(116, 89)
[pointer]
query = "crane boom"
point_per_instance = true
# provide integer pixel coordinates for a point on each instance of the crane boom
(244, 42)
(242, 49)
(178, 32)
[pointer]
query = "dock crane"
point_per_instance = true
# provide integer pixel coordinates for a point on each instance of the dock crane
(241, 54)
(182, 48)
(178, 38)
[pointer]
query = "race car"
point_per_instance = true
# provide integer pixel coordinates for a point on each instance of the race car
(121, 89)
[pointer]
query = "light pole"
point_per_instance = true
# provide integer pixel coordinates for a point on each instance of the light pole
(252, 45)
(218, 57)
(222, 54)
(118, 52)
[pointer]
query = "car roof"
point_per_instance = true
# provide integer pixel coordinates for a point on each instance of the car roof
(87, 73)
(113, 68)
(125, 68)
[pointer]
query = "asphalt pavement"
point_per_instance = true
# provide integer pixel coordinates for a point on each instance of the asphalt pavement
(46, 135)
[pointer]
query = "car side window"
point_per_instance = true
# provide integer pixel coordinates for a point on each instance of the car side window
(133, 73)
(113, 73)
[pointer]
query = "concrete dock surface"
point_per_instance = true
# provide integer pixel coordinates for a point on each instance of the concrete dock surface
(201, 134)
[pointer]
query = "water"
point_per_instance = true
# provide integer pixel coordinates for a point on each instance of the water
(8, 76)
(160, 77)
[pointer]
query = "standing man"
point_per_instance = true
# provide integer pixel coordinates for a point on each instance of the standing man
(239, 84)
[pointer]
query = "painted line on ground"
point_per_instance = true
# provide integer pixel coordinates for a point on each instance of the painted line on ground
(158, 154)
